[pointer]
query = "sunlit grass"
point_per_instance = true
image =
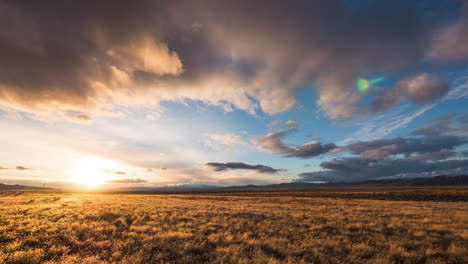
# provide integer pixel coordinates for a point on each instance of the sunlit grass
(114, 228)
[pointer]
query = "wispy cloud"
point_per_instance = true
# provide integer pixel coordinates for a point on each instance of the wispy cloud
(385, 124)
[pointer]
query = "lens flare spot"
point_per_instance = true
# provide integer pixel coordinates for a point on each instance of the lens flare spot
(377, 80)
(362, 84)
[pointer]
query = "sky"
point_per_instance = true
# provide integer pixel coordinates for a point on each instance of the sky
(163, 93)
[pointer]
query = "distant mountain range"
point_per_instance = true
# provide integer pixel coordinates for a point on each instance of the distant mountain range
(17, 187)
(460, 180)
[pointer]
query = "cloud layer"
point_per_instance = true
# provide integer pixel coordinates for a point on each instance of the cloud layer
(234, 54)
(431, 149)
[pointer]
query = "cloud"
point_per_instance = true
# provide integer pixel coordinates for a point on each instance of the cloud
(226, 142)
(276, 123)
(358, 169)
(449, 44)
(386, 123)
(424, 88)
(127, 181)
(216, 166)
(442, 154)
(21, 168)
(450, 172)
(464, 119)
(443, 125)
(273, 143)
(115, 172)
(429, 149)
(419, 89)
(379, 149)
(291, 124)
(79, 117)
(231, 54)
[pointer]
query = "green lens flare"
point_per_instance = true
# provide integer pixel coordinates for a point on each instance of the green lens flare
(362, 84)
(377, 80)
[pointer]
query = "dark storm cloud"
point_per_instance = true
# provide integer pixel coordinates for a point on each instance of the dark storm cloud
(273, 143)
(217, 166)
(127, 181)
(81, 58)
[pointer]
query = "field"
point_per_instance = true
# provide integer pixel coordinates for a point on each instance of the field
(386, 226)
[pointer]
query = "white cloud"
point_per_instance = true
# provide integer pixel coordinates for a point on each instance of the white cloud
(291, 124)
(225, 142)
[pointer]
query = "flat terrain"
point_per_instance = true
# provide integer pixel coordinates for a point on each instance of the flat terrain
(343, 226)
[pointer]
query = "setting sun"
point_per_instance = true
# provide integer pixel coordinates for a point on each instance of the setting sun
(91, 171)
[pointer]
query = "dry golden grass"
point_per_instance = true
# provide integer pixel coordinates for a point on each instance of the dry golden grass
(118, 228)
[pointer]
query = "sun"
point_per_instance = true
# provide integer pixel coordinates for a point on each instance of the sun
(91, 171)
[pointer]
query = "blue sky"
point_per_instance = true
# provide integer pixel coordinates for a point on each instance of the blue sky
(232, 93)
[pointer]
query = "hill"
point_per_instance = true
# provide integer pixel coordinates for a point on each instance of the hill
(461, 180)
(16, 187)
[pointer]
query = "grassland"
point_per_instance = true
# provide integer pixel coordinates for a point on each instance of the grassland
(261, 227)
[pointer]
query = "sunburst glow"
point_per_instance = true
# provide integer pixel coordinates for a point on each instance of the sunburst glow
(91, 171)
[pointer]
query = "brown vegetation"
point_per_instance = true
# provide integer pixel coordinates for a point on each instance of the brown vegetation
(201, 228)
